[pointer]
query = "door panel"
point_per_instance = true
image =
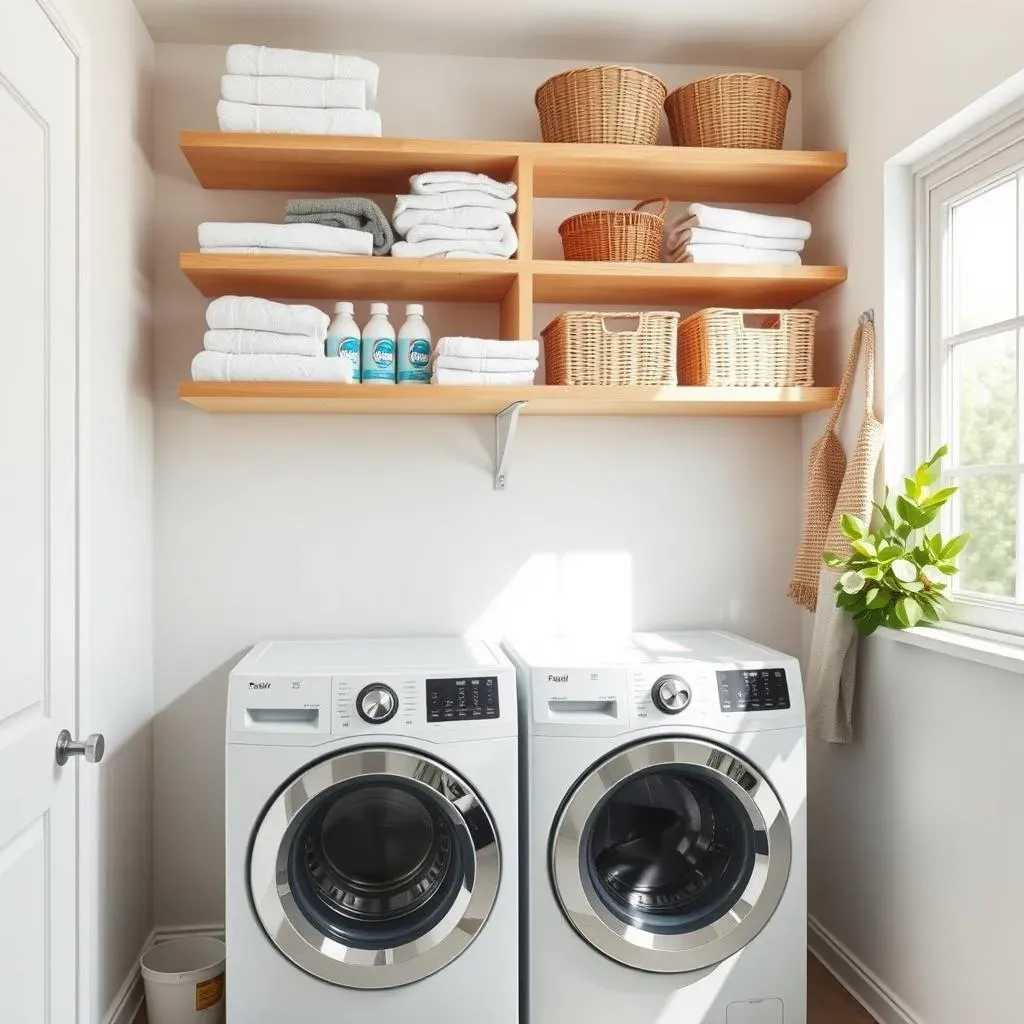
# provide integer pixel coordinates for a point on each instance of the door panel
(38, 414)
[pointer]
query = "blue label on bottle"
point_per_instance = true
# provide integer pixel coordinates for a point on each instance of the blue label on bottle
(414, 361)
(349, 349)
(380, 364)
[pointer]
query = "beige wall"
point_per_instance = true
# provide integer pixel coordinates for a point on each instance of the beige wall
(914, 827)
(116, 501)
(266, 525)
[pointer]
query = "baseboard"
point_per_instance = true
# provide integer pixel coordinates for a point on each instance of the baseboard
(130, 995)
(860, 981)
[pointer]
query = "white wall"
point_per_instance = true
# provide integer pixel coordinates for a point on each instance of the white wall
(307, 525)
(116, 503)
(913, 826)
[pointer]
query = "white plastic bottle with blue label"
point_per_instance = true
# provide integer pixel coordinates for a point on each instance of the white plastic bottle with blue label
(343, 338)
(414, 347)
(378, 347)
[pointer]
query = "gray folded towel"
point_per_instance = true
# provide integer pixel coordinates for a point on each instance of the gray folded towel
(344, 212)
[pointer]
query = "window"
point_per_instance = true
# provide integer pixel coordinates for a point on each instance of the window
(971, 210)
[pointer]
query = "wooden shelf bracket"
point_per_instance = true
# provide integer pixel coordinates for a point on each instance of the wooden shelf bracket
(505, 424)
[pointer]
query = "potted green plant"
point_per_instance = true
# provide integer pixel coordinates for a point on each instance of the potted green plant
(898, 571)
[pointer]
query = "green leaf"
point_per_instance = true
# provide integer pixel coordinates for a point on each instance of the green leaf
(865, 548)
(853, 527)
(889, 552)
(911, 611)
(912, 514)
(852, 582)
(934, 543)
(912, 588)
(912, 487)
(939, 455)
(885, 512)
(929, 614)
(847, 601)
(955, 546)
(869, 622)
(832, 561)
(904, 530)
(904, 570)
(948, 569)
(939, 497)
(932, 575)
(880, 599)
(900, 614)
(872, 572)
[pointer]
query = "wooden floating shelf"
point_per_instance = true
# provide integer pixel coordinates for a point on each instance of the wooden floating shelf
(541, 400)
(554, 281)
(314, 163)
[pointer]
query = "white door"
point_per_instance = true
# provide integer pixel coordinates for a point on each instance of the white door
(38, 664)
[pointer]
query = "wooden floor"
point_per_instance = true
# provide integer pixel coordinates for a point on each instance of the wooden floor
(827, 1001)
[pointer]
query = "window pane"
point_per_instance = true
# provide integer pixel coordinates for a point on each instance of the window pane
(984, 390)
(983, 258)
(986, 507)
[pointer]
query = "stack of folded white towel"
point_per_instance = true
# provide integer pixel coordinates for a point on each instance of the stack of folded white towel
(253, 339)
(456, 215)
(710, 234)
(484, 361)
(268, 90)
(284, 239)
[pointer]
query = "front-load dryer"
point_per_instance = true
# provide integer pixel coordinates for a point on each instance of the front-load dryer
(664, 837)
(372, 833)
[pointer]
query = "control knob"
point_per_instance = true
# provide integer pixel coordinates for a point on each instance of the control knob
(671, 694)
(377, 703)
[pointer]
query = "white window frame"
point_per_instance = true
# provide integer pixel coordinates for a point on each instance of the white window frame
(969, 165)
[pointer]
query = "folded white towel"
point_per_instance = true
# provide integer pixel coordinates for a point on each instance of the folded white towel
(315, 237)
(453, 200)
(262, 343)
(294, 92)
(243, 59)
(679, 237)
(506, 380)
(743, 223)
(243, 312)
(737, 254)
(248, 117)
(483, 364)
(435, 182)
(224, 367)
(478, 217)
(487, 348)
(505, 236)
(263, 250)
(442, 246)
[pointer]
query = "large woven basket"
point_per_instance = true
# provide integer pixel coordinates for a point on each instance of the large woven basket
(738, 111)
(633, 236)
(748, 348)
(580, 348)
(605, 103)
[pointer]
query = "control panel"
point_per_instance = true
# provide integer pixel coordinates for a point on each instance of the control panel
(757, 689)
(462, 700)
(377, 703)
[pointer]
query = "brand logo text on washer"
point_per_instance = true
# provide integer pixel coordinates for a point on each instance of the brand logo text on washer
(559, 679)
(259, 686)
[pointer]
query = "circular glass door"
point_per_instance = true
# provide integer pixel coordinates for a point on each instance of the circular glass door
(671, 855)
(374, 868)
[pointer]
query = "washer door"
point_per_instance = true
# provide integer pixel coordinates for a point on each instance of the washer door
(374, 868)
(671, 855)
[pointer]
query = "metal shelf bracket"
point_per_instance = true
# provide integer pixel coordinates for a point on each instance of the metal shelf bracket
(505, 424)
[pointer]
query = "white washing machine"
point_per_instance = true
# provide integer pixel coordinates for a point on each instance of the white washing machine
(664, 834)
(372, 833)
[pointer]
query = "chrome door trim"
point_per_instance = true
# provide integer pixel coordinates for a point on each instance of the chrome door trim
(692, 951)
(349, 966)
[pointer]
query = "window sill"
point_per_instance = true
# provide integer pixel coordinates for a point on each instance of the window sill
(980, 646)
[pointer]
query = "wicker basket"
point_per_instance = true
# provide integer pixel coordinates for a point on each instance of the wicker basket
(736, 111)
(630, 236)
(579, 348)
(606, 103)
(772, 348)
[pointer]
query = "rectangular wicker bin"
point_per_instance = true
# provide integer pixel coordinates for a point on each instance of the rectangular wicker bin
(582, 348)
(772, 348)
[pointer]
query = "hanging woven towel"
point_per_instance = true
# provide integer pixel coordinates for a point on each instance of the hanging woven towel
(832, 673)
(825, 470)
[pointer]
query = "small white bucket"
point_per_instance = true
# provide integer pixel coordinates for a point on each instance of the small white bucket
(185, 981)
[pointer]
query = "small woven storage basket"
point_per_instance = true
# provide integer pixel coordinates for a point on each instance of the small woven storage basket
(738, 111)
(605, 103)
(748, 348)
(631, 236)
(579, 348)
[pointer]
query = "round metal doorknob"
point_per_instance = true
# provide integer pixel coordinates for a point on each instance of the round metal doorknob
(91, 748)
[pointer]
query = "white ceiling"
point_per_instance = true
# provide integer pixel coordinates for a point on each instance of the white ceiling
(768, 33)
